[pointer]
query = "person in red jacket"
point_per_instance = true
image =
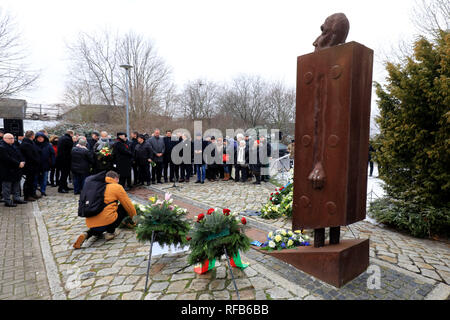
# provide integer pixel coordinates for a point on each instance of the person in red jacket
(54, 170)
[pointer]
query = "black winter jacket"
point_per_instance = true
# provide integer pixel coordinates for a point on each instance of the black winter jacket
(32, 156)
(10, 158)
(158, 146)
(47, 153)
(142, 153)
(123, 158)
(82, 160)
(65, 146)
(188, 146)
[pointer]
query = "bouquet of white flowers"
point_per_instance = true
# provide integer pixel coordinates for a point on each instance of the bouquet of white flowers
(285, 239)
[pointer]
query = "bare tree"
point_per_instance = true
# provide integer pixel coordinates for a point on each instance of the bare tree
(96, 76)
(15, 74)
(95, 67)
(150, 77)
(245, 101)
(280, 106)
(199, 99)
(170, 102)
(432, 16)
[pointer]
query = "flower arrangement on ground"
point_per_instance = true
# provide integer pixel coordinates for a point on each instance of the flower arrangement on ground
(279, 204)
(166, 219)
(215, 230)
(285, 239)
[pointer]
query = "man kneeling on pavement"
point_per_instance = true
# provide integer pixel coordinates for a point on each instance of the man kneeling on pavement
(112, 215)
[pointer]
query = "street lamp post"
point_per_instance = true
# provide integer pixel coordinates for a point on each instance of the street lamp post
(127, 67)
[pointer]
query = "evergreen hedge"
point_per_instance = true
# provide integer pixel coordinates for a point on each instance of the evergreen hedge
(413, 147)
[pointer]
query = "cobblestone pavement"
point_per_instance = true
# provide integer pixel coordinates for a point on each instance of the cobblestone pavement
(116, 269)
(22, 271)
(393, 285)
(426, 257)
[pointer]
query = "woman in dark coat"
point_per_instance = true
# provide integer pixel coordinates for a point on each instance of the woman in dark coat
(143, 156)
(123, 159)
(82, 161)
(46, 163)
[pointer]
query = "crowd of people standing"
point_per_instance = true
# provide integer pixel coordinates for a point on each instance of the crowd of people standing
(44, 160)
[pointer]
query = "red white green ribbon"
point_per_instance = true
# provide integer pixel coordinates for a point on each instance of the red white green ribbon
(207, 265)
(236, 262)
(204, 267)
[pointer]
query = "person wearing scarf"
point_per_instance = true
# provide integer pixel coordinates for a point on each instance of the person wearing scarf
(241, 161)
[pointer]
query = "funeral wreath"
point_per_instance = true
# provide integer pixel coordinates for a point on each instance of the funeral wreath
(165, 219)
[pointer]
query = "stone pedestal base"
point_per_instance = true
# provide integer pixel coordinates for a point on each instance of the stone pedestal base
(335, 264)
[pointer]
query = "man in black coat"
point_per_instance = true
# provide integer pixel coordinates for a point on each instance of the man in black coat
(32, 156)
(82, 161)
(11, 167)
(212, 168)
(169, 143)
(158, 147)
(174, 168)
(123, 159)
(186, 164)
(166, 157)
(143, 157)
(64, 159)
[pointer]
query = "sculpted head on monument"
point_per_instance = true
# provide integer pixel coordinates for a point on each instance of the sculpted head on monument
(334, 31)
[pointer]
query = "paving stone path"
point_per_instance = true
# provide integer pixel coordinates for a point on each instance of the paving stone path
(116, 269)
(22, 271)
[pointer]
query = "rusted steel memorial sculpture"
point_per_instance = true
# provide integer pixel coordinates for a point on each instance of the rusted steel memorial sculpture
(330, 176)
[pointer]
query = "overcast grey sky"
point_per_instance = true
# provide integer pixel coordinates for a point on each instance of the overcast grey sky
(211, 39)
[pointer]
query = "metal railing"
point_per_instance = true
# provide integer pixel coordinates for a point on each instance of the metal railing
(36, 111)
(279, 168)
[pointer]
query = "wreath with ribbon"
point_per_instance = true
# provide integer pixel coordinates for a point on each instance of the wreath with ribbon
(215, 231)
(165, 220)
